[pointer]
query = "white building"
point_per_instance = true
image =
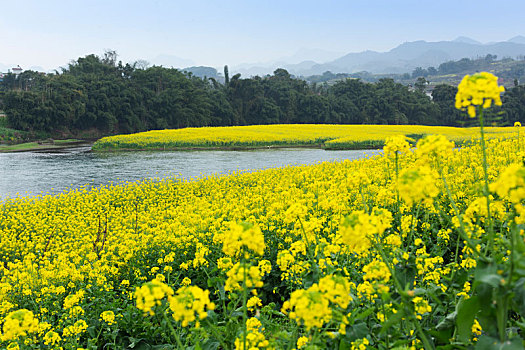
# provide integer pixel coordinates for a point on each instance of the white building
(17, 70)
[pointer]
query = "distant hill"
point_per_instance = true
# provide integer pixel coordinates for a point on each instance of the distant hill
(509, 72)
(407, 56)
(518, 39)
(401, 59)
(201, 71)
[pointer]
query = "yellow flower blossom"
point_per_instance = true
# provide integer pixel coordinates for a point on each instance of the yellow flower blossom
(309, 306)
(151, 294)
(396, 145)
(76, 329)
(418, 184)
(18, 324)
(255, 339)
(478, 90)
(243, 274)
(243, 236)
(357, 229)
(421, 306)
(108, 317)
(51, 338)
(189, 304)
(302, 341)
(253, 303)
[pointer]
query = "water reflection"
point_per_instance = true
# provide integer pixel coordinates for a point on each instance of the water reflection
(33, 173)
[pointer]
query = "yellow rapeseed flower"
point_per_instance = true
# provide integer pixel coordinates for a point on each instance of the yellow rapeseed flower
(151, 294)
(396, 145)
(336, 289)
(376, 271)
(18, 324)
(302, 341)
(418, 184)
(357, 228)
(241, 272)
(434, 146)
(108, 317)
(478, 90)
(310, 306)
(421, 306)
(76, 329)
(511, 183)
(189, 304)
(243, 236)
(255, 339)
(51, 338)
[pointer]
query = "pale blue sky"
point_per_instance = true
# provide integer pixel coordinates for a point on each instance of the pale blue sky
(50, 33)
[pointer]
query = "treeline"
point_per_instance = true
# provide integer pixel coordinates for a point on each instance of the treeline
(508, 68)
(99, 93)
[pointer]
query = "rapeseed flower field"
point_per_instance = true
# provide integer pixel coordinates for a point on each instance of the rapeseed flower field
(413, 248)
(286, 135)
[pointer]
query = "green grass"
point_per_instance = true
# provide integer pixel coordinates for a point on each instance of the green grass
(30, 146)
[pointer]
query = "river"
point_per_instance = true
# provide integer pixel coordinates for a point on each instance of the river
(34, 173)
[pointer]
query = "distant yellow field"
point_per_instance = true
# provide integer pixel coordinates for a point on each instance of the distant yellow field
(329, 136)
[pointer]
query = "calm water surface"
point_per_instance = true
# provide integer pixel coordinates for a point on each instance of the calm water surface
(33, 173)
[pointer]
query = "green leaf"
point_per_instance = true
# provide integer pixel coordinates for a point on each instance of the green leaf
(489, 343)
(357, 331)
(519, 297)
(133, 342)
(448, 322)
(362, 315)
(392, 320)
(142, 345)
(491, 279)
(466, 312)
(210, 345)
(443, 336)
(343, 345)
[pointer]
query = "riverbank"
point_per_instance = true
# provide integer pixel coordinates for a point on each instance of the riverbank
(41, 145)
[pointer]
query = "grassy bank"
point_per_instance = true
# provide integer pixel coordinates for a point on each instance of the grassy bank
(39, 145)
(293, 135)
(8, 135)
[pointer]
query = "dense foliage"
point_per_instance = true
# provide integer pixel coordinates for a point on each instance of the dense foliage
(514, 69)
(97, 93)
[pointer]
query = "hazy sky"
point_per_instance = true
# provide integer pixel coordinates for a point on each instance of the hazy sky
(50, 33)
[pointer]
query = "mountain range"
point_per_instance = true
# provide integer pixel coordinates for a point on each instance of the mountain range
(401, 59)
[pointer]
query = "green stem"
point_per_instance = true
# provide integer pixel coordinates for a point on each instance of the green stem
(398, 203)
(387, 332)
(490, 246)
(177, 339)
(452, 275)
(501, 316)
(216, 333)
(244, 300)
